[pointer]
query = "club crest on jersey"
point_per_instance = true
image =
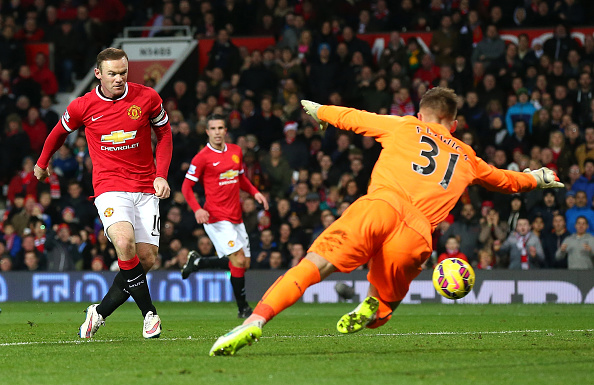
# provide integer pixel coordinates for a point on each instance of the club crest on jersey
(230, 243)
(118, 137)
(235, 159)
(108, 212)
(134, 112)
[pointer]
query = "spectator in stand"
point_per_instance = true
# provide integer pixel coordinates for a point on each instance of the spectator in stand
(402, 103)
(522, 248)
(224, 54)
(44, 76)
(277, 172)
(24, 182)
(486, 259)
(263, 249)
(63, 254)
(36, 129)
(552, 240)
(444, 42)
(12, 51)
(586, 181)
(580, 208)
(585, 150)
(467, 230)
(428, 71)
(490, 48)
(578, 248)
(492, 229)
(522, 110)
(452, 246)
(294, 149)
(559, 45)
(355, 44)
(14, 146)
(520, 140)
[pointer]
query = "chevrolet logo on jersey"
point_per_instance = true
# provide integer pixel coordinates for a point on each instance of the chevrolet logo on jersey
(230, 174)
(118, 137)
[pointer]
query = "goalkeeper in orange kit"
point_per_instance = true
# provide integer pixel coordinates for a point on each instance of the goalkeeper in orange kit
(418, 178)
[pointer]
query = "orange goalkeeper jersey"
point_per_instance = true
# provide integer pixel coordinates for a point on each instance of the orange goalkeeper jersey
(423, 162)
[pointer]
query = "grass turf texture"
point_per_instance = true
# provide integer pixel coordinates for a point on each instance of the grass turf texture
(422, 344)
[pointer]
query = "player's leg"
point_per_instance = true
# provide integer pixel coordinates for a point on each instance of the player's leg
(122, 236)
(113, 207)
(118, 293)
(231, 240)
(282, 294)
(238, 264)
(391, 270)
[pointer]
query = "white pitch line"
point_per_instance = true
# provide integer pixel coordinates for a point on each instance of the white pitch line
(411, 334)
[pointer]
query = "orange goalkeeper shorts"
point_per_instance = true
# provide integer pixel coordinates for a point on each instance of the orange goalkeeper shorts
(384, 231)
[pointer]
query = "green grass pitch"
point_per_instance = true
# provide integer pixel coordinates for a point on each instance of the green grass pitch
(422, 344)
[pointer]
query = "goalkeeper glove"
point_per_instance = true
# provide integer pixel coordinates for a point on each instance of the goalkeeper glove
(311, 109)
(545, 178)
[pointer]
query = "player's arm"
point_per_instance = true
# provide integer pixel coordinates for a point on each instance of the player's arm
(361, 122)
(190, 181)
(69, 122)
(164, 149)
(507, 181)
(247, 186)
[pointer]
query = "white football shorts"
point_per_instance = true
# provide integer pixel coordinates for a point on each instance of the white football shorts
(228, 237)
(140, 209)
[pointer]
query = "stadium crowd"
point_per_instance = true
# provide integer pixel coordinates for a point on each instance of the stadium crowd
(523, 105)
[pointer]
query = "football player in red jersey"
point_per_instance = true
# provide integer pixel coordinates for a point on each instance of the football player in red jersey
(118, 117)
(219, 166)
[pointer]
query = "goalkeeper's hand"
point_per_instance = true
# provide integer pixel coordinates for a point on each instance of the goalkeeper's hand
(545, 178)
(311, 109)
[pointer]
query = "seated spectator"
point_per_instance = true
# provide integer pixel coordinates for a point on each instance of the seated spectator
(581, 208)
(262, 250)
(62, 253)
(522, 110)
(552, 240)
(297, 254)
(467, 230)
(522, 248)
(43, 75)
(490, 48)
(486, 259)
(492, 229)
(578, 248)
(275, 261)
(23, 182)
(452, 246)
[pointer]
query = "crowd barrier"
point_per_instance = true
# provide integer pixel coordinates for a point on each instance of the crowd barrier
(492, 287)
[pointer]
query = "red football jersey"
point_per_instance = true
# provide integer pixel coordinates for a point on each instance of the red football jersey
(219, 173)
(118, 134)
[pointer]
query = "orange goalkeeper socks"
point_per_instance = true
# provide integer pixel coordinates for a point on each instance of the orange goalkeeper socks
(288, 289)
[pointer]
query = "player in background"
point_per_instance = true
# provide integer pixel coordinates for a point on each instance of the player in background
(118, 117)
(420, 175)
(219, 167)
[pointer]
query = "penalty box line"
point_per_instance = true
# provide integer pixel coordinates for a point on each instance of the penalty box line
(411, 334)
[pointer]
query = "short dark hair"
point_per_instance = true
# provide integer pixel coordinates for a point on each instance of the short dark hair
(216, 117)
(110, 54)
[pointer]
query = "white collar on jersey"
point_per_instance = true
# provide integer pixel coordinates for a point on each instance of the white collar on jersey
(215, 150)
(111, 100)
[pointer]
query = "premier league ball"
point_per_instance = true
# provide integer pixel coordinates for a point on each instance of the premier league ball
(453, 278)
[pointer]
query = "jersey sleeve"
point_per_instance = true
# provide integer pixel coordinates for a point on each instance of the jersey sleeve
(505, 181)
(160, 123)
(360, 122)
(72, 119)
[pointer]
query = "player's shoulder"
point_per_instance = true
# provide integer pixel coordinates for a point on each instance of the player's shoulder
(233, 148)
(86, 99)
(140, 89)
